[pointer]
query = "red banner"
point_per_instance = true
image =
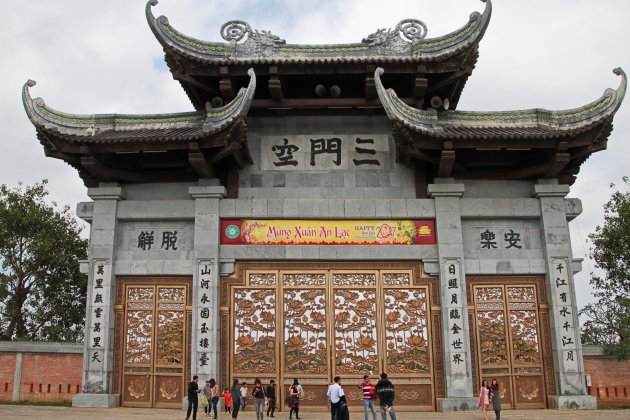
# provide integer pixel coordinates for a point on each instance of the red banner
(327, 232)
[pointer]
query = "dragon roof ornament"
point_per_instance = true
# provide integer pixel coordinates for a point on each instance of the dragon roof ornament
(406, 42)
(538, 122)
(91, 126)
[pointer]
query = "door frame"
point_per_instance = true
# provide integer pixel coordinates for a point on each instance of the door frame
(543, 323)
(418, 278)
(120, 332)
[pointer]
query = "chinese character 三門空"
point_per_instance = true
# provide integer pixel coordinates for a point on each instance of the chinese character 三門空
(366, 151)
(566, 340)
(205, 313)
(205, 270)
(563, 297)
(512, 238)
(559, 267)
(457, 344)
(457, 358)
(97, 341)
(97, 327)
(284, 153)
(99, 283)
(95, 357)
(205, 284)
(98, 298)
(452, 283)
(487, 239)
(570, 355)
(100, 269)
(456, 329)
(204, 343)
(145, 240)
(98, 312)
(566, 326)
(169, 240)
(454, 299)
(326, 146)
(204, 328)
(564, 311)
(561, 282)
(204, 298)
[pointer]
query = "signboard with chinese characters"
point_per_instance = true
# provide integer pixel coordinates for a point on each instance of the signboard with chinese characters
(99, 304)
(327, 232)
(456, 311)
(204, 309)
(325, 152)
(565, 319)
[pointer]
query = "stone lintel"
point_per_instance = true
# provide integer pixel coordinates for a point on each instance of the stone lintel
(432, 266)
(550, 190)
(85, 210)
(84, 267)
(95, 400)
(572, 402)
(226, 266)
(452, 404)
(576, 265)
(209, 191)
(446, 190)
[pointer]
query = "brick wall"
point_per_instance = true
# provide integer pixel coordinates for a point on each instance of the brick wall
(610, 379)
(7, 371)
(49, 371)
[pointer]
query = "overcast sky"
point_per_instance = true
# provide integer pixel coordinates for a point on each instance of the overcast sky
(101, 57)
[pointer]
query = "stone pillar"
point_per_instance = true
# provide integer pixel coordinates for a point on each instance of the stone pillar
(101, 294)
(17, 377)
(456, 345)
(205, 305)
(565, 331)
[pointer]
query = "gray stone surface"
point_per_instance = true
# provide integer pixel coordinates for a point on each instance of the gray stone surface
(572, 402)
(458, 404)
(95, 400)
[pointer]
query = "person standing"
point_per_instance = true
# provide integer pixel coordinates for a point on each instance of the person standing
(495, 396)
(484, 398)
(368, 397)
(213, 397)
(193, 398)
(227, 400)
(236, 398)
(270, 398)
(335, 395)
(259, 398)
(294, 394)
(385, 391)
(205, 393)
(244, 396)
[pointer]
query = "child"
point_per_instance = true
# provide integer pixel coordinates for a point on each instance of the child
(228, 400)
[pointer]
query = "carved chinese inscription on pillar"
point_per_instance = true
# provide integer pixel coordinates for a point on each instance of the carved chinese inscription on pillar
(565, 317)
(99, 306)
(456, 314)
(254, 331)
(492, 238)
(204, 315)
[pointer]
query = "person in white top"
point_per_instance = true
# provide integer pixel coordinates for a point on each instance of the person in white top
(335, 395)
(243, 396)
(484, 398)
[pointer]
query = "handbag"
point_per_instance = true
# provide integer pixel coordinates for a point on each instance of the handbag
(204, 401)
(288, 400)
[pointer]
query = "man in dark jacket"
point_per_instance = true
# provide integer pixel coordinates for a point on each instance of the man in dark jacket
(193, 397)
(270, 397)
(385, 392)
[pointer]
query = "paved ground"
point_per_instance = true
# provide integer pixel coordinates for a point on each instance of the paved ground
(54, 413)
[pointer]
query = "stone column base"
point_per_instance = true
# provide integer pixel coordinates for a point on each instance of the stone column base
(572, 402)
(451, 404)
(95, 400)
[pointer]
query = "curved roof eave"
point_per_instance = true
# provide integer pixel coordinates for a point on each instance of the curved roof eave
(265, 47)
(162, 125)
(535, 123)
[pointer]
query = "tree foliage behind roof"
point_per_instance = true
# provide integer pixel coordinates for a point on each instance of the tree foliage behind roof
(42, 292)
(609, 317)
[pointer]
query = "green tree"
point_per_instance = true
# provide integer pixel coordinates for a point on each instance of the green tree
(42, 292)
(609, 318)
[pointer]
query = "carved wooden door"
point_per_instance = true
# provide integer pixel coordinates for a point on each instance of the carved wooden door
(316, 324)
(154, 346)
(509, 345)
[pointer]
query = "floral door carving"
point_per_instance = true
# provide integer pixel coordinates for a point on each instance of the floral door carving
(509, 342)
(314, 324)
(154, 349)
